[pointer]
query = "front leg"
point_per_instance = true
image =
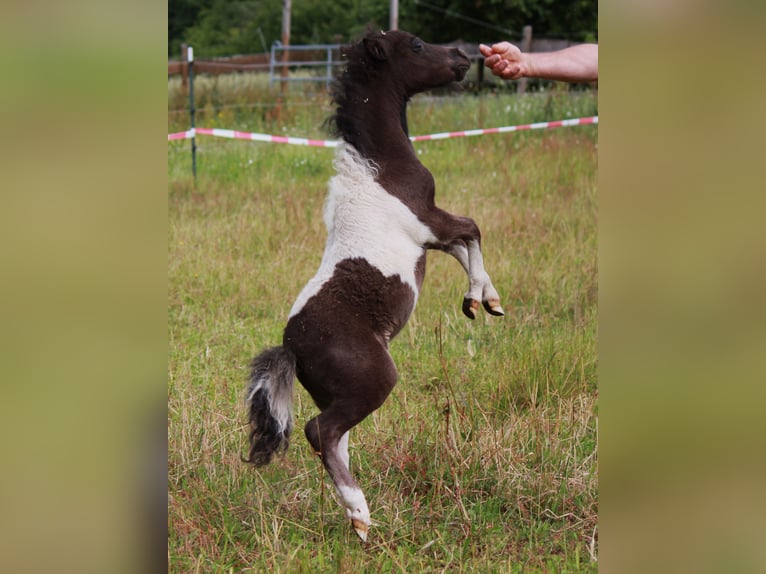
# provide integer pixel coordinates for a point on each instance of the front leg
(461, 238)
(480, 286)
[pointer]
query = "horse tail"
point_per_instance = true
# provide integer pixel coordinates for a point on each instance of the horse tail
(270, 404)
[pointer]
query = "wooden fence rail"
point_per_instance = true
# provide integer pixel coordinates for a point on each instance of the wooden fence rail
(261, 62)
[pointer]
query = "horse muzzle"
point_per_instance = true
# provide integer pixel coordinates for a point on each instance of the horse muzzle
(461, 64)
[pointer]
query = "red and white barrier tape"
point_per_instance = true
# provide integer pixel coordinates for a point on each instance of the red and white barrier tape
(333, 143)
(537, 126)
(265, 137)
(181, 135)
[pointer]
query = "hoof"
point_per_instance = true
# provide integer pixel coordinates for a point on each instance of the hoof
(360, 528)
(493, 307)
(470, 306)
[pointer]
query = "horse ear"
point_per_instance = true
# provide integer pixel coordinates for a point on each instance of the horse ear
(377, 47)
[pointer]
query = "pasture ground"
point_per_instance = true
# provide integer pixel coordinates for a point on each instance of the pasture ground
(484, 457)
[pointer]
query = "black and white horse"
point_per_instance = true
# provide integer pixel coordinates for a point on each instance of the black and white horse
(381, 218)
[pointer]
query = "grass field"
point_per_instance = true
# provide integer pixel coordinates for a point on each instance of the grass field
(484, 457)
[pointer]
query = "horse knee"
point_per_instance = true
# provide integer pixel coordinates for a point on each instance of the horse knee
(313, 435)
(323, 433)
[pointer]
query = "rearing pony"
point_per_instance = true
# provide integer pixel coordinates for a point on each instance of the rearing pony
(381, 219)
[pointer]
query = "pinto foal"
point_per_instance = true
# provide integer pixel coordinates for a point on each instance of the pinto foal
(381, 219)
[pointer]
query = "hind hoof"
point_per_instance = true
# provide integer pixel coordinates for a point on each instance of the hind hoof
(493, 307)
(360, 528)
(470, 306)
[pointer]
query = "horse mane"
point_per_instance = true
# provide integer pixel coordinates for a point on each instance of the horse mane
(349, 88)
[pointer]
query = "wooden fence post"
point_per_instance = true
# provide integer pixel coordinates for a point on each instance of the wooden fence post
(526, 46)
(286, 16)
(393, 16)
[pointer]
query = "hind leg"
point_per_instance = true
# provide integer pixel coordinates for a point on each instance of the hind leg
(343, 448)
(320, 432)
(363, 392)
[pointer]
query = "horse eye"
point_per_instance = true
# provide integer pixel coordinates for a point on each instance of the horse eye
(417, 45)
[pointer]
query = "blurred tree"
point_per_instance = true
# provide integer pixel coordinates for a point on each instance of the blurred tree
(226, 27)
(182, 14)
(494, 20)
(235, 27)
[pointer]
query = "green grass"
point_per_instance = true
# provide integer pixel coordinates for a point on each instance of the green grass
(484, 457)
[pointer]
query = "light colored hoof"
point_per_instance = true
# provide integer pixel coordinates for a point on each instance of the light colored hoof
(361, 528)
(493, 308)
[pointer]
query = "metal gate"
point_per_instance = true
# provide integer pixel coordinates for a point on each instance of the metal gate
(320, 56)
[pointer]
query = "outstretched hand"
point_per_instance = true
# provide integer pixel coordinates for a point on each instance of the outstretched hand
(578, 63)
(504, 60)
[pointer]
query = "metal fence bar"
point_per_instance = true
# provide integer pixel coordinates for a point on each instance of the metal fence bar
(327, 63)
(328, 73)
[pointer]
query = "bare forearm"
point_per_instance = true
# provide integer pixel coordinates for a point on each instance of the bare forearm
(574, 64)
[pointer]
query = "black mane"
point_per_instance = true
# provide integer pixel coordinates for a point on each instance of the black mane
(350, 88)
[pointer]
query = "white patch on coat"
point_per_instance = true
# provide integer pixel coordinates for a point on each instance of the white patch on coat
(365, 221)
(343, 449)
(354, 502)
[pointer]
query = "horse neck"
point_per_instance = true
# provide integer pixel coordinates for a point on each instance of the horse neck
(379, 126)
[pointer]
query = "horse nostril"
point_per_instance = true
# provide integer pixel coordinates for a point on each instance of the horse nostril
(462, 61)
(458, 53)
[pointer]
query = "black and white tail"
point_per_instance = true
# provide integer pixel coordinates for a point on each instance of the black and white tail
(270, 404)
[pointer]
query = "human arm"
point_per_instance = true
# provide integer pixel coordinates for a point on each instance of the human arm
(573, 64)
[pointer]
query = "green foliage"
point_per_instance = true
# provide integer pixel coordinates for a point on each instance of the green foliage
(182, 15)
(223, 27)
(494, 20)
(484, 457)
(226, 27)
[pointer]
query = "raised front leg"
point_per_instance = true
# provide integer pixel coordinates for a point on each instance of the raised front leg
(480, 286)
(461, 238)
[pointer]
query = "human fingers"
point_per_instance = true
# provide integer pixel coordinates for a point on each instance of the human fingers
(511, 72)
(491, 61)
(506, 70)
(502, 47)
(498, 65)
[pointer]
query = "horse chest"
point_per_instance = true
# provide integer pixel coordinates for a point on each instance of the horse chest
(365, 222)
